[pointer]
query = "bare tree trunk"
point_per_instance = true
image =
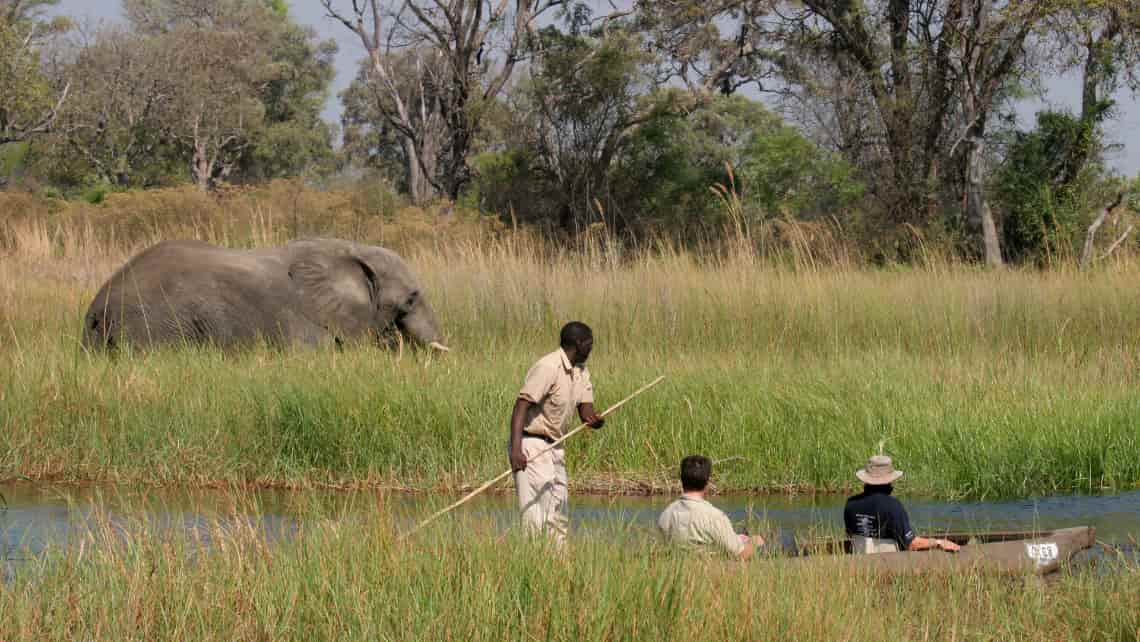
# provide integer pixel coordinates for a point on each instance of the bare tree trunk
(978, 211)
(200, 166)
(429, 160)
(418, 186)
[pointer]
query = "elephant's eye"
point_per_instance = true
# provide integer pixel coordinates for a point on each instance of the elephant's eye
(412, 298)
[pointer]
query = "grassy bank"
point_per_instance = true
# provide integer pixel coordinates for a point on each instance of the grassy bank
(347, 577)
(981, 384)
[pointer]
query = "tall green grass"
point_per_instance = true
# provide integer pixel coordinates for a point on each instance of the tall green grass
(980, 383)
(346, 576)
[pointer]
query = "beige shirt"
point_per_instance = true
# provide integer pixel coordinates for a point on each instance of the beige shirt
(694, 524)
(556, 387)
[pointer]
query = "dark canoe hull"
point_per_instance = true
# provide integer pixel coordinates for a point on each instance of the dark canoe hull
(1039, 553)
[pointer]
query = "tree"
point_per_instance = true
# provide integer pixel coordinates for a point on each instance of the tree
(1044, 183)
(672, 161)
(213, 89)
(987, 52)
(221, 51)
(263, 53)
(29, 102)
(930, 75)
(294, 136)
(708, 45)
(585, 98)
(589, 128)
(115, 121)
(464, 53)
(370, 141)
(882, 74)
(1053, 176)
(1102, 40)
(370, 135)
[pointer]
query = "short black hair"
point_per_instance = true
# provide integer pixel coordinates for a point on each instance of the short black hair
(574, 332)
(695, 472)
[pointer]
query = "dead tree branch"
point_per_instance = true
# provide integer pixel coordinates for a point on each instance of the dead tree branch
(1090, 235)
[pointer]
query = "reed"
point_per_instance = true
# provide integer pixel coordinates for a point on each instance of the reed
(345, 576)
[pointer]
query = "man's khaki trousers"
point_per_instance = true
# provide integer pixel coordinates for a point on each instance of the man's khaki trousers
(542, 491)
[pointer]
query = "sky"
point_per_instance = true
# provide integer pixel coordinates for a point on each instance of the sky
(1060, 92)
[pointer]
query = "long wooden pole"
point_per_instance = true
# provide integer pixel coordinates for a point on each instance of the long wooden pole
(506, 473)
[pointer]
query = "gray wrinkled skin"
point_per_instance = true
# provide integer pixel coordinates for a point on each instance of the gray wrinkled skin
(308, 292)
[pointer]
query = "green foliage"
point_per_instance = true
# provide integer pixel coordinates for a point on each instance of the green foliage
(243, 106)
(585, 97)
(26, 95)
(278, 7)
(96, 194)
(673, 161)
(784, 173)
(110, 131)
(591, 139)
(12, 158)
(306, 430)
(660, 177)
(29, 14)
(294, 137)
(510, 183)
(1044, 186)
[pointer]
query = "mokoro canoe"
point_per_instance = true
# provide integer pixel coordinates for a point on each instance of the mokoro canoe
(1039, 552)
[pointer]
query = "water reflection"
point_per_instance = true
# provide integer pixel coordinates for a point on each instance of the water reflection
(36, 517)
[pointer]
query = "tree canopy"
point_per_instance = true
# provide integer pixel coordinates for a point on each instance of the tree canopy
(888, 119)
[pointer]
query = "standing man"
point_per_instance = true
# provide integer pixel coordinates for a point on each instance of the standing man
(692, 523)
(556, 385)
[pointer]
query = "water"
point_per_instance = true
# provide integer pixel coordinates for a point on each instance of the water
(38, 517)
(34, 519)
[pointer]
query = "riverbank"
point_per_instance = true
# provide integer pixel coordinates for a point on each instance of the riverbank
(980, 384)
(963, 428)
(345, 575)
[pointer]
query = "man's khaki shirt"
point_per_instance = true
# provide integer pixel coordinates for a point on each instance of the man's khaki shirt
(696, 525)
(556, 387)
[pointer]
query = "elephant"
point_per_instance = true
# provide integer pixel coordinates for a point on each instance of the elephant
(315, 291)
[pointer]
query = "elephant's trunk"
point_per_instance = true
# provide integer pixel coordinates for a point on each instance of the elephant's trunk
(420, 325)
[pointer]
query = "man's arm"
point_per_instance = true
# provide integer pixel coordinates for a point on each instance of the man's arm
(900, 521)
(740, 546)
(518, 417)
(586, 402)
(535, 387)
(751, 544)
(926, 543)
(588, 416)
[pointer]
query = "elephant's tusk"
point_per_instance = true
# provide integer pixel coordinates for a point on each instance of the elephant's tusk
(439, 346)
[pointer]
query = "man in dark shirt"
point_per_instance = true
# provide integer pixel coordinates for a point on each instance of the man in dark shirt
(877, 522)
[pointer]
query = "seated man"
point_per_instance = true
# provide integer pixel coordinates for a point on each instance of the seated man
(694, 524)
(877, 522)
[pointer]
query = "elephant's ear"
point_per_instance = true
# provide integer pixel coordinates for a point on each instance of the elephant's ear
(335, 292)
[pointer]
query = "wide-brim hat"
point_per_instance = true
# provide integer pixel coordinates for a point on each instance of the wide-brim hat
(878, 471)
